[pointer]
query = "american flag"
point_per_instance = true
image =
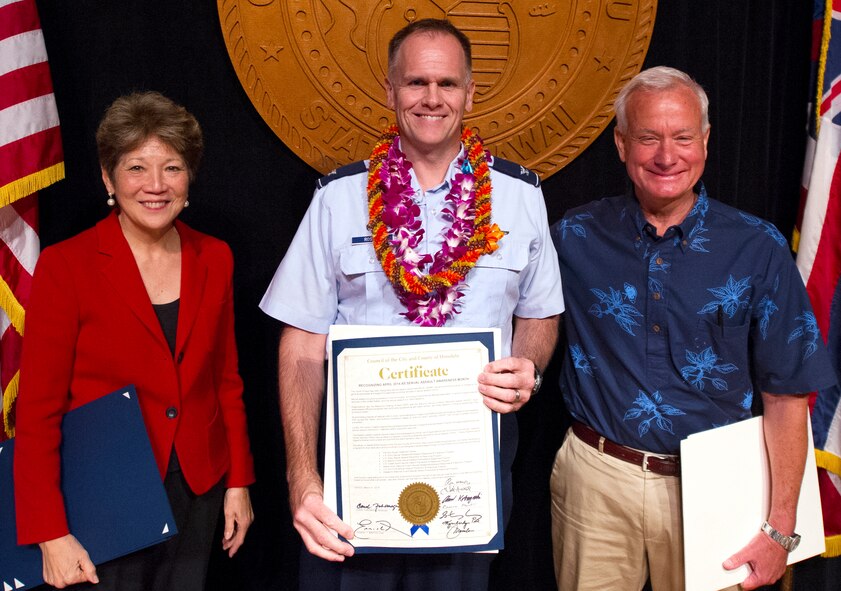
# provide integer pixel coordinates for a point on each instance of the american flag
(31, 158)
(817, 240)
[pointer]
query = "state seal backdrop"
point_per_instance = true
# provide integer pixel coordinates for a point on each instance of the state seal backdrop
(546, 72)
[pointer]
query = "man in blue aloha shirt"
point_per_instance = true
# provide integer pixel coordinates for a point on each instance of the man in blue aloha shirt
(679, 309)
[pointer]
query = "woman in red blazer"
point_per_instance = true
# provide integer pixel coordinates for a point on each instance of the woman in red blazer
(139, 299)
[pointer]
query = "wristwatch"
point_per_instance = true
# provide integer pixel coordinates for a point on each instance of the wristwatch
(538, 381)
(788, 542)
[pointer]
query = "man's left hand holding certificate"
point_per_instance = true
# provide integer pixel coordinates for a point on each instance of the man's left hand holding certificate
(411, 452)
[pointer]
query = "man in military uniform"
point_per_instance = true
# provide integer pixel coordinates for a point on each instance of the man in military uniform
(430, 205)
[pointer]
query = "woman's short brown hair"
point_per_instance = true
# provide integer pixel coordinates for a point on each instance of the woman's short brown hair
(136, 117)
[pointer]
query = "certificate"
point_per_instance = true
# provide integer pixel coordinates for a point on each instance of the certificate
(726, 482)
(415, 451)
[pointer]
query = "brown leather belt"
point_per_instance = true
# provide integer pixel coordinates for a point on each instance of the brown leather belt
(663, 465)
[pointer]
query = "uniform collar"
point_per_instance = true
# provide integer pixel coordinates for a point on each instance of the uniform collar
(445, 185)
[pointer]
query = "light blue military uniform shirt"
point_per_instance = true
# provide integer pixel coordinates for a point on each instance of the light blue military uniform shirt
(331, 275)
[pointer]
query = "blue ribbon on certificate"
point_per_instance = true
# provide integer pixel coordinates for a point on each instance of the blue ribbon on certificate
(423, 528)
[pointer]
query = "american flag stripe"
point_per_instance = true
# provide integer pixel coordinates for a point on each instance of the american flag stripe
(18, 225)
(22, 46)
(16, 234)
(25, 83)
(24, 119)
(17, 18)
(11, 343)
(19, 247)
(30, 159)
(26, 157)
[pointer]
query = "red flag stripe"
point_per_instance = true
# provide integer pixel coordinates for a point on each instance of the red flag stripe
(15, 274)
(826, 267)
(27, 209)
(18, 17)
(19, 237)
(30, 155)
(24, 84)
(10, 345)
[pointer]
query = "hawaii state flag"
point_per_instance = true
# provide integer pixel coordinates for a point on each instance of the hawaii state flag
(31, 158)
(817, 239)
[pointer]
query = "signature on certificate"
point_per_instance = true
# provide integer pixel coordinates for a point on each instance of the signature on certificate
(458, 522)
(369, 528)
(376, 507)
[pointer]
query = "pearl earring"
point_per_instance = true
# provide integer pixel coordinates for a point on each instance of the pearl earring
(111, 201)
(186, 203)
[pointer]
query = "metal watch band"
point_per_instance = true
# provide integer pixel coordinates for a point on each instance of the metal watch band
(538, 381)
(789, 543)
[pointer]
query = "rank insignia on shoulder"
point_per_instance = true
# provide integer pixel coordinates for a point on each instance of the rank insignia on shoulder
(343, 171)
(515, 170)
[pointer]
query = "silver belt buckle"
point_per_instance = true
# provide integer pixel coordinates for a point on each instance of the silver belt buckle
(645, 457)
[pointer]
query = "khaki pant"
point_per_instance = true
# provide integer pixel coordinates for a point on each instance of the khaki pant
(613, 525)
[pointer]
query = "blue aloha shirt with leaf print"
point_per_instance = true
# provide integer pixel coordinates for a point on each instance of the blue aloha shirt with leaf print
(672, 335)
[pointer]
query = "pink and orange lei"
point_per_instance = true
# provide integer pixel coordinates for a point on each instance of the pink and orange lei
(430, 296)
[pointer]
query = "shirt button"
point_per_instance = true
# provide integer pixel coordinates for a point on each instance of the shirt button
(659, 260)
(171, 412)
(656, 328)
(657, 296)
(684, 242)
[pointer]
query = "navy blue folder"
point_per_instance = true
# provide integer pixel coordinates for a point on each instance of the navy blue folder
(115, 500)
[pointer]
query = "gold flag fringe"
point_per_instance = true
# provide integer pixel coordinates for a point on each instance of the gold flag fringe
(27, 185)
(15, 312)
(11, 306)
(9, 397)
(831, 463)
(826, 34)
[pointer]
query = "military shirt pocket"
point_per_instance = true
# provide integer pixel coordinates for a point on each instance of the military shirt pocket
(363, 291)
(494, 284)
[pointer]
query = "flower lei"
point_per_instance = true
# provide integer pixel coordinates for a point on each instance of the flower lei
(430, 297)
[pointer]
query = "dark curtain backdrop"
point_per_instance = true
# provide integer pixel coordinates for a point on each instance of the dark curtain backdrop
(752, 56)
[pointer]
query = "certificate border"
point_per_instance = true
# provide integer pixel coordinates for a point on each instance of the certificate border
(487, 340)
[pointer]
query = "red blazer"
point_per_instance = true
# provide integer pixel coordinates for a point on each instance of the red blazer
(90, 329)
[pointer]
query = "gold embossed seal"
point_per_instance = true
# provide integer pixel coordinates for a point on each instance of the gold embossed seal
(418, 503)
(546, 72)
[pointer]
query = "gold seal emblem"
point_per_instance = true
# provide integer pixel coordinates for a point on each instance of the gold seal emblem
(418, 503)
(546, 72)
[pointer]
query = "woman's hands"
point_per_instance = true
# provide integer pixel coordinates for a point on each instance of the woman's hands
(66, 562)
(238, 518)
